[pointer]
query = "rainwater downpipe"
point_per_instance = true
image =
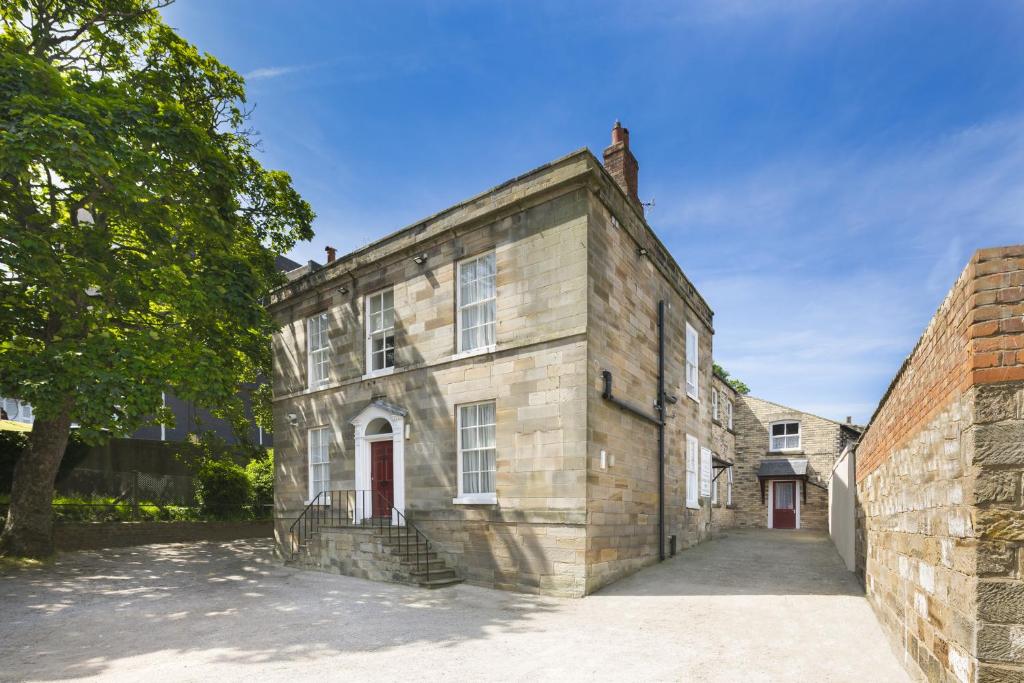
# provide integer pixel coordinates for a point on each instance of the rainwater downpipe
(658, 420)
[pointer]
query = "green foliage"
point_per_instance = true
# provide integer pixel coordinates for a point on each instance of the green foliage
(137, 229)
(739, 386)
(13, 443)
(222, 489)
(261, 479)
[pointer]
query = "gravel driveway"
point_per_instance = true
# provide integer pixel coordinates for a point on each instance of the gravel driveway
(750, 606)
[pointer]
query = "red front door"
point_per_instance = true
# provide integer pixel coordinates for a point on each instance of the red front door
(784, 505)
(381, 479)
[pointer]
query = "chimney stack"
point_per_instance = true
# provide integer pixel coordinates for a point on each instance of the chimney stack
(849, 419)
(622, 165)
(331, 254)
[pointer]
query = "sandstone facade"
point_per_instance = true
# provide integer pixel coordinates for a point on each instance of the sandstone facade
(579, 275)
(939, 477)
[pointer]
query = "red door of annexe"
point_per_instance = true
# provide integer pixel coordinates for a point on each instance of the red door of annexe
(784, 505)
(381, 479)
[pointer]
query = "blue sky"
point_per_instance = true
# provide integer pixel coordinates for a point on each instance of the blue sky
(821, 170)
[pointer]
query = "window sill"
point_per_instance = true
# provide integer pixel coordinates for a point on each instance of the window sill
(787, 451)
(692, 397)
(476, 499)
(692, 506)
(379, 373)
(483, 350)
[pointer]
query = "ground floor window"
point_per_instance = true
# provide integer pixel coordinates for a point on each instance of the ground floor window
(319, 461)
(477, 451)
(728, 487)
(692, 448)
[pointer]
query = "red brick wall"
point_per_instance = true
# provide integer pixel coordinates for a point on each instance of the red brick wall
(974, 338)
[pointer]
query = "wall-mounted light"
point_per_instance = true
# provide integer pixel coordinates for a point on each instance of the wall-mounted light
(641, 251)
(342, 290)
(293, 419)
(420, 259)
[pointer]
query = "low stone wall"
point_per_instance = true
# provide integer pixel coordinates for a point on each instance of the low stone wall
(96, 535)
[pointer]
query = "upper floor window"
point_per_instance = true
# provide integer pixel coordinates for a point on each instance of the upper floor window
(785, 436)
(477, 452)
(477, 303)
(714, 404)
(728, 413)
(692, 363)
(380, 331)
(319, 351)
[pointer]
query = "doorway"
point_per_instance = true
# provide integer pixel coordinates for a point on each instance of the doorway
(784, 505)
(382, 481)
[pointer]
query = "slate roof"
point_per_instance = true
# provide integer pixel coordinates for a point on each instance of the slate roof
(783, 467)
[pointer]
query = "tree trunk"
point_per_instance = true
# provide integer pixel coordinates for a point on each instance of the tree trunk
(29, 528)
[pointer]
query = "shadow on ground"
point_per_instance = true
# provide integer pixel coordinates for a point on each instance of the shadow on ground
(88, 609)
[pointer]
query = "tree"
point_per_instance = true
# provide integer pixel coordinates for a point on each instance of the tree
(137, 232)
(739, 386)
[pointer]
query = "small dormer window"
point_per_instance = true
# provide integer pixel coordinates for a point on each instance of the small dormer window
(785, 436)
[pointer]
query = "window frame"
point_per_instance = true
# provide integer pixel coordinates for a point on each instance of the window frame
(483, 498)
(728, 487)
(706, 472)
(714, 488)
(772, 437)
(692, 475)
(311, 359)
(369, 334)
(326, 463)
(729, 412)
(459, 350)
(692, 363)
(714, 404)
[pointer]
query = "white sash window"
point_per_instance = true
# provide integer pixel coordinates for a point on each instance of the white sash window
(477, 303)
(692, 447)
(319, 461)
(477, 453)
(692, 363)
(319, 351)
(380, 331)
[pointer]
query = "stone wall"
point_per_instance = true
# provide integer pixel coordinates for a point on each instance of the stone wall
(939, 477)
(821, 442)
(95, 535)
(723, 444)
(629, 274)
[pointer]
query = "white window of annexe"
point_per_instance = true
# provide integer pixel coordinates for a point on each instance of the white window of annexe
(785, 436)
(380, 332)
(477, 303)
(319, 351)
(477, 456)
(692, 363)
(692, 493)
(319, 461)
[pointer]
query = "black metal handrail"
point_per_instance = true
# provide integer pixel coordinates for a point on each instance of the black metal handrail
(349, 508)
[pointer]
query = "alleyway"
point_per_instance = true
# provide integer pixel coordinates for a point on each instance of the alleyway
(750, 606)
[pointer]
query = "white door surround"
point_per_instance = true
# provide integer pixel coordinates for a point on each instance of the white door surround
(771, 500)
(395, 417)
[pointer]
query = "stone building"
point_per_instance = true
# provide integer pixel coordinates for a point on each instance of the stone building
(783, 460)
(522, 382)
(939, 474)
(723, 449)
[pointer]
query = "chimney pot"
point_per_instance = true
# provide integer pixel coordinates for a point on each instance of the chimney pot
(622, 165)
(331, 253)
(849, 419)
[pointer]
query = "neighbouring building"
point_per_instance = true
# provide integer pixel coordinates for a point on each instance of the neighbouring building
(723, 450)
(524, 380)
(783, 460)
(940, 472)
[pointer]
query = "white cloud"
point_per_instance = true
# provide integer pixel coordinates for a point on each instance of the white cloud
(823, 272)
(269, 72)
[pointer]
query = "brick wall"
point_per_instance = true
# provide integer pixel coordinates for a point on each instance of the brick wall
(939, 477)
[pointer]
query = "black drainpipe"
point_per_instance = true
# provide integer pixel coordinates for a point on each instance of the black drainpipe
(660, 406)
(658, 419)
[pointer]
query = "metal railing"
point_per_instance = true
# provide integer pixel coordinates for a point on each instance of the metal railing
(363, 509)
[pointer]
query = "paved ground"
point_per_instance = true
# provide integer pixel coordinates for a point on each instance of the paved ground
(751, 606)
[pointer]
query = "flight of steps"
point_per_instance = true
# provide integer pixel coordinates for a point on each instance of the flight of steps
(380, 554)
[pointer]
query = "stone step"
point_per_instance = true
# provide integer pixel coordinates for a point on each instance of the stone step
(422, 574)
(439, 583)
